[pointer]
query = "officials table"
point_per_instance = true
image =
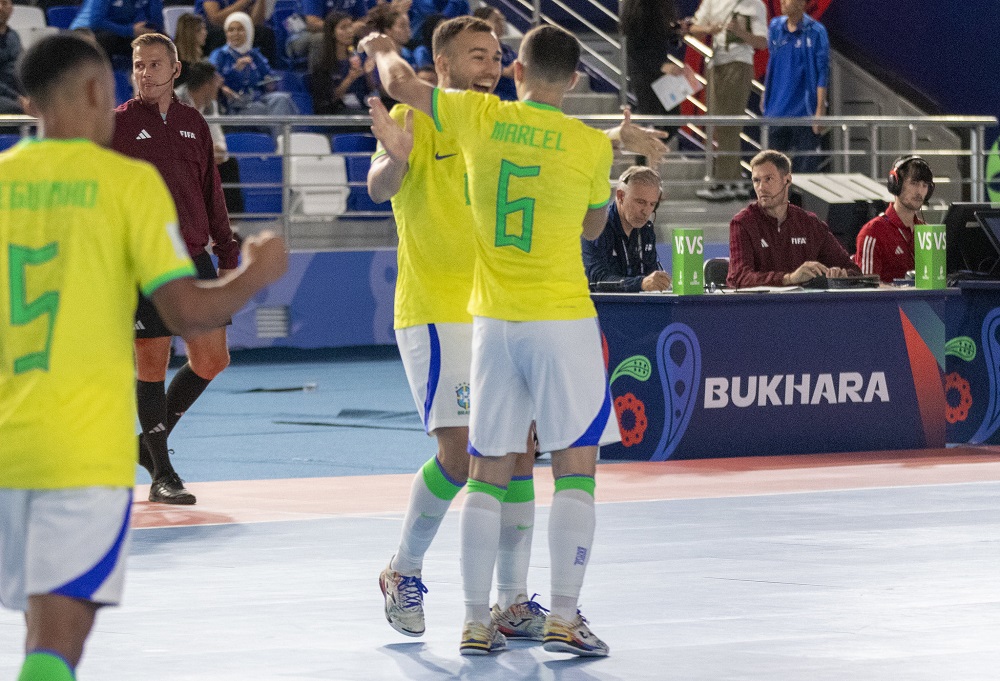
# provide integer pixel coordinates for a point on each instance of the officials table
(750, 374)
(972, 381)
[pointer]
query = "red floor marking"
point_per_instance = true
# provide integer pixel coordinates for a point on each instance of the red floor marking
(248, 501)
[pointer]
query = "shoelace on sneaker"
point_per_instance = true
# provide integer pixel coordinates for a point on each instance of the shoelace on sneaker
(534, 607)
(411, 589)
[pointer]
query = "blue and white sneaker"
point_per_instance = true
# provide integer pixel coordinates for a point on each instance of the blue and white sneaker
(404, 601)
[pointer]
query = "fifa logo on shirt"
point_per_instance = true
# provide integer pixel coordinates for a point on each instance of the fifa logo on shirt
(799, 240)
(189, 135)
(462, 397)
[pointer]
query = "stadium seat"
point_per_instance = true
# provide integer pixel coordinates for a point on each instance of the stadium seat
(348, 142)
(716, 270)
(29, 22)
(9, 140)
(357, 172)
(319, 185)
(171, 15)
(123, 86)
(258, 164)
(61, 16)
(307, 143)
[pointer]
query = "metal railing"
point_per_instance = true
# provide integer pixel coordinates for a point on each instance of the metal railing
(970, 185)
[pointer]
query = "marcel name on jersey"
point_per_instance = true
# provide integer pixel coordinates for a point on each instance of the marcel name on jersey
(787, 389)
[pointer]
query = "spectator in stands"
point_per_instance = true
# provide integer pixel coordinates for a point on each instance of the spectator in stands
(247, 73)
(737, 30)
(505, 88)
(623, 257)
(652, 28)
(419, 10)
(395, 24)
(885, 244)
(423, 52)
(10, 50)
(773, 243)
(217, 11)
(190, 41)
(796, 82)
(201, 91)
(116, 23)
(337, 79)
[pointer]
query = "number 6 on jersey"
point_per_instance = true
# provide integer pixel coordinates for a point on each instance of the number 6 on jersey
(505, 207)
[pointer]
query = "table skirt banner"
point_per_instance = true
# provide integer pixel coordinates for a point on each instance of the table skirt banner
(766, 374)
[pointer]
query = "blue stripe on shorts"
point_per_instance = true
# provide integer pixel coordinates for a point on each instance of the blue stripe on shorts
(433, 373)
(87, 584)
(593, 434)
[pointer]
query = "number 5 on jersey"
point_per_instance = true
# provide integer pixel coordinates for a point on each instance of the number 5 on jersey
(22, 311)
(506, 208)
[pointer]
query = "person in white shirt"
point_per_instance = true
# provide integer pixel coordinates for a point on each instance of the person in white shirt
(737, 28)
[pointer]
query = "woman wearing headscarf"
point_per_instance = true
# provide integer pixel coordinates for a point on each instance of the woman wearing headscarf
(246, 72)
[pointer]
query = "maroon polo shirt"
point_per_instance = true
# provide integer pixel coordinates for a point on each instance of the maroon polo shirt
(761, 252)
(181, 149)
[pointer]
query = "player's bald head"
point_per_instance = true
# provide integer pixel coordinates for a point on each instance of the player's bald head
(59, 65)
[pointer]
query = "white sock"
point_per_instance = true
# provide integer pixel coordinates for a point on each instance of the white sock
(480, 531)
(571, 537)
(424, 514)
(517, 524)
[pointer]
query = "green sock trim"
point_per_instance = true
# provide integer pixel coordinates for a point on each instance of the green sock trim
(520, 491)
(45, 666)
(580, 482)
(438, 482)
(497, 493)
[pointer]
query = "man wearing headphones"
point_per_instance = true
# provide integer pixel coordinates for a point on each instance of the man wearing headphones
(175, 138)
(623, 258)
(773, 243)
(885, 244)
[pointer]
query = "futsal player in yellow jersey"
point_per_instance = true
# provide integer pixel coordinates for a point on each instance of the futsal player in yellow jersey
(423, 171)
(80, 228)
(537, 180)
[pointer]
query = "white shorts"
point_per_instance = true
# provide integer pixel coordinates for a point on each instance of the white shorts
(436, 358)
(70, 542)
(551, 372)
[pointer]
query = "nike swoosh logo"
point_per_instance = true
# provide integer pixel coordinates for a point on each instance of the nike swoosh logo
(439, 157)
(522, 528)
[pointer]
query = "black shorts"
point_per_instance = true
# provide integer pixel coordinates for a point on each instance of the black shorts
(147, 320)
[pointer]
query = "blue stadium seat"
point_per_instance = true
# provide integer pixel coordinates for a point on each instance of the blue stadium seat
(123, 86)
(8, 140)
(357, 171)
(304, 101)
(351, 141)
(264, 168)
(61, 16)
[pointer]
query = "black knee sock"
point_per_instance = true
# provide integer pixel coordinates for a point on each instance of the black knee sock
(153, 417)
(186, 387)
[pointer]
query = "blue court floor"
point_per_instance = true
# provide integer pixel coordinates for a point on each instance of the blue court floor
(891, 578)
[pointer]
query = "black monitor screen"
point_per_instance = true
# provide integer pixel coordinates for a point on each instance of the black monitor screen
(968, 247)
(990, 220)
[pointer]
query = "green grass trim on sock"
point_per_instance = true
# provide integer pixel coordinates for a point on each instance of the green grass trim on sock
(520, 491)
(438, 482)
(580, 482)
(497, 493)
(42, 665)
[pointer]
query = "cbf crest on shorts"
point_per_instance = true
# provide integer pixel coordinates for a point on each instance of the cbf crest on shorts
(462, 398)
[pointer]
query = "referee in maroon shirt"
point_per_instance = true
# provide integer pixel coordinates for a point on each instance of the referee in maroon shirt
(773, 243)
(175, 138)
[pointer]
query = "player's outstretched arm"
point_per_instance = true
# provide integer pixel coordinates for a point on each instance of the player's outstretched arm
(387, 172)
(398, 77)
(646, 142)
(190, 307)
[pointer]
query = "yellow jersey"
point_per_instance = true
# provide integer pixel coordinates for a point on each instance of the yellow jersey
(434, 220)
(80, 228)
(533, 174)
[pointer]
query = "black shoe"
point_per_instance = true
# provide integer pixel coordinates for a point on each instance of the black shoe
(169, 489)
